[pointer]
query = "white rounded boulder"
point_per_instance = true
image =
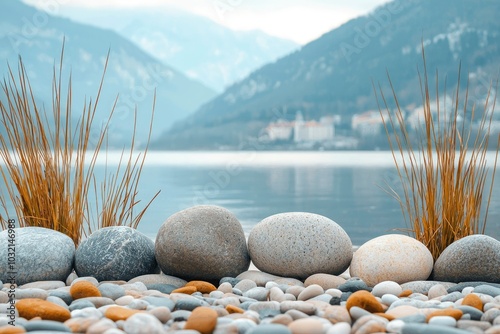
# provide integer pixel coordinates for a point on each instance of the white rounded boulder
(392, 257)
(299, 244)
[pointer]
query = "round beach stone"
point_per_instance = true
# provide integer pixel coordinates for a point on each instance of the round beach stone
(299, 244)
(472, 258)
(32, 308)
(203, 242)
(40, 255)
(387, 287)
(393, 257)
(116, 253)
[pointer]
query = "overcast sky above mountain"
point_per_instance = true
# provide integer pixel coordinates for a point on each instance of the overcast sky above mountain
(297, 20)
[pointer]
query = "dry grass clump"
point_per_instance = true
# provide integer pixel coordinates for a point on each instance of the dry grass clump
(443, 166)
(47, 171)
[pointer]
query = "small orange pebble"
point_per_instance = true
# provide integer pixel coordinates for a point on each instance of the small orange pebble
(116, 313)
(451, 312)
(234, 309)
(202, 286)
(386, 316)
(203, 319)
(83, 289)
(405, 293)
(364, 300)
(30, 308)
(473, 300)
(188, 290)
(8, 329)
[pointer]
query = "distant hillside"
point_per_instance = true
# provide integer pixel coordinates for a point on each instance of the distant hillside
(195, 45)
(132, 73)
(333, 74)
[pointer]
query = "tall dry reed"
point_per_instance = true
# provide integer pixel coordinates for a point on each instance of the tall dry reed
(442, 165)
(47, 172)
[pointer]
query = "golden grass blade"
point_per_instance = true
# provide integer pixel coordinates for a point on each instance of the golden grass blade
(46, 174)
(443, 178)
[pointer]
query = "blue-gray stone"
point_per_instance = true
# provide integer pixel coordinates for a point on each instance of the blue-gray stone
(452, 297)
(209, 300)
(269, 329)
(189, 304)
(353, 285)
(58, 301)
(63, 294)
(46, 325)
(202, 242)
(487, 290)
(430, 329)
(41, 254)
(116, 253)
(472, 258)
(231, 280)
(345, 296)
(180, 315)
(245, 305)
(474, 313)
(335, 301)
(80, 304)
(111, 290)
(258, 293)
(163, 288)
(414, 319)
(268, 313)
(463, 285)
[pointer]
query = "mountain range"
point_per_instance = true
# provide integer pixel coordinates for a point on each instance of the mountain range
(37, 36)
(197, 46)
(334, 74)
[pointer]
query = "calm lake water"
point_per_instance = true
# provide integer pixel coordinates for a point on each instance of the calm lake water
(347, 187)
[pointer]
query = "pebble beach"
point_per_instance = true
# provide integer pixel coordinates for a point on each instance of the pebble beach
(195, 278)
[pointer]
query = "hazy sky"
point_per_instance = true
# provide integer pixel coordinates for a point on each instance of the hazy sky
(298, 20)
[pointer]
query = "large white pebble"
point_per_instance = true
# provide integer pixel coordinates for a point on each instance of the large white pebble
(394, 257)
(387, 287)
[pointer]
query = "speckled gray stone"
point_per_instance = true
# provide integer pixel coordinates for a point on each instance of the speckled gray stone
(393, 257)
(40, 255)
(116, 253)
(112, 291)
(202, 242)
(299, 244)
(472, 258)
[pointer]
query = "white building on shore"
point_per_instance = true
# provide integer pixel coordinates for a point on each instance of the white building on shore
(301, 131)
(312, 131)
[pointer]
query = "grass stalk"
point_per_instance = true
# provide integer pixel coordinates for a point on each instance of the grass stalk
(443, 170)
(46, 171)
